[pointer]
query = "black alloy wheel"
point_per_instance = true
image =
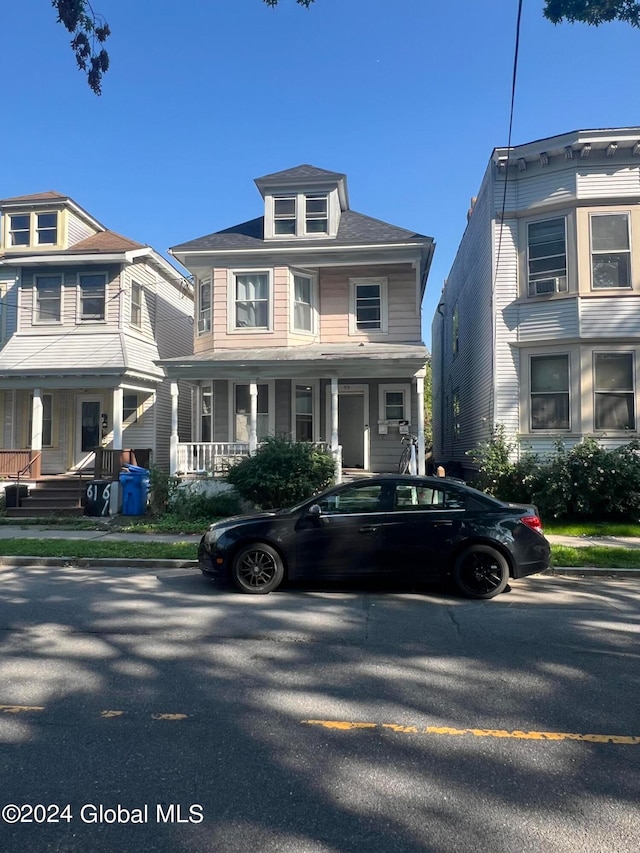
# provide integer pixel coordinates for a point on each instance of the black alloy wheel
(481, 572)
(257, 569)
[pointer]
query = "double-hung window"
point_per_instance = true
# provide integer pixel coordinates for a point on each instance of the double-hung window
(614, 391)
(303, 303)
(284, 215)
(550, 392)
(46, 229)
(92, 296)
(130, 408)
(206, 414)
(316, 214)
(48, 299)
(304, 411)
(299, 215)
(251, 301)
(136, 305)
(204, 306)
(547, 256)
(610, 250)
(394, 403)
(20, 229)
(368, 305)
(39, 229)
(242, 424)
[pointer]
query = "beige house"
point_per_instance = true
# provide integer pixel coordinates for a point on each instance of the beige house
(307, 325)
(85, 316)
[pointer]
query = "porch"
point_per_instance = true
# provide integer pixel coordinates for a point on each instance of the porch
(213, 459)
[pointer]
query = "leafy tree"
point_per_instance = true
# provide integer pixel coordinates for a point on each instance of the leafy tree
(90, 31)
(594, 12)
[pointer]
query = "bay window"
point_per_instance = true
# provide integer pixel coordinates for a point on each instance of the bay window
(204, 306)
(610, 250)
(547, 256)
(251, 301)
(614, 393)
(303, 303)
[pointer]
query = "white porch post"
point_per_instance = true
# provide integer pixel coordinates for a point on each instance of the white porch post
(253, 417)
(118, 395)
(420, 395)
(36, 421)
(173, 441)
(335, 449)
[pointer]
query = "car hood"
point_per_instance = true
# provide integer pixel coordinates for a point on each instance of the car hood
(244, 519)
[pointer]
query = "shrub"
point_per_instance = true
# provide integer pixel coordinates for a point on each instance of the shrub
(162, 490)
(191, 503)
(282, 472)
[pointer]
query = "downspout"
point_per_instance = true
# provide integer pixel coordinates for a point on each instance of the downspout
(438, 309)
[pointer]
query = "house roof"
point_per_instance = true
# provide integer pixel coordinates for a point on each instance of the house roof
(354, 228)
(50, 195)
(301, 173)
(104, 241)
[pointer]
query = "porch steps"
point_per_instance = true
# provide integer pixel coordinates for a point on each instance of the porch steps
(59, 495)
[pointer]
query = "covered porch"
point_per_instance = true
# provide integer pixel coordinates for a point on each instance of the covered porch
(356, 401)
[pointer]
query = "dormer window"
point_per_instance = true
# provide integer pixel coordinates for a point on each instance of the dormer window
(33, 229)
(284, 215)
(316, 214)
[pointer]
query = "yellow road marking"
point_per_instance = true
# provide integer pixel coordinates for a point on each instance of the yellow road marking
(343, 725)
(169, 716)
(107, 715)
(18, 709)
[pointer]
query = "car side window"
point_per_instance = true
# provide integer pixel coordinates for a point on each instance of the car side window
(353, 499)
(416, 497)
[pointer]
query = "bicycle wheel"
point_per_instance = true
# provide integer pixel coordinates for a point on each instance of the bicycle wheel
(405, 460)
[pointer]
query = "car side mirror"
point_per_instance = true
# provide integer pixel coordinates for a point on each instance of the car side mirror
(315, 509)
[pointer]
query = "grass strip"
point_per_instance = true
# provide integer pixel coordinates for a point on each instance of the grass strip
(598, 557)
(104, 549)
(591, 528)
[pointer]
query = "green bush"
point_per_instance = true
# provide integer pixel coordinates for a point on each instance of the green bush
(282, 472)
(162, 490)
(190, 503)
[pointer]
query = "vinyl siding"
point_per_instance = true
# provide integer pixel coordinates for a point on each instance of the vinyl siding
(506, 407)
(544, 321)
(77, 229)
(605, 182)
(543, 187)
(610, 317)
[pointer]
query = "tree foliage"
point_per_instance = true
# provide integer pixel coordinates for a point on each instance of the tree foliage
(594, 12)
(89, 31)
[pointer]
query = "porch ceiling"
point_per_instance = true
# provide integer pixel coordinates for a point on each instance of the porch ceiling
(355, 361)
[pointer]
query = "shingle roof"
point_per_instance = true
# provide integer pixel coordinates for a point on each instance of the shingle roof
(46, 196)
(354, 228)
(303, 172)
(105, 241)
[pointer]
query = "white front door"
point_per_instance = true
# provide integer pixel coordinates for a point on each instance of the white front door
(89, 411)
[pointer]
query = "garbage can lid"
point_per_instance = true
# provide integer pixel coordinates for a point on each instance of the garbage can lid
(135, 469)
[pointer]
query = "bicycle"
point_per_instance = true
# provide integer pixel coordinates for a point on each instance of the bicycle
(409, 458)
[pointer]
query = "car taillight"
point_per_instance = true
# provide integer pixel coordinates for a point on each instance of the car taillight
(533, 522)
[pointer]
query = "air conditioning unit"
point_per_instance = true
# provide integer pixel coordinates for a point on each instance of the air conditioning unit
(543, 286)
(204, 325)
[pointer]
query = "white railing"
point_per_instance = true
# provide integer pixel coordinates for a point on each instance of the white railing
(213, 459)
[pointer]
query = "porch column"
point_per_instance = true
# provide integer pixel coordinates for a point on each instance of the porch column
(420, 395)
(173, 440)
(36, 421)
(253, 417)
(334, 413)
(118, 395)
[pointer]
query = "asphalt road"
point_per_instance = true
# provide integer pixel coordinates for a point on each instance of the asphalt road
(149, 711)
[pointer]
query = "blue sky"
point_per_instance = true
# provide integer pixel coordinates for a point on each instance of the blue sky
(407, 97)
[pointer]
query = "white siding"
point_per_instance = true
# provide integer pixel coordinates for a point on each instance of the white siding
(506, 404)
(544, 321)
(610, 317)
(77, 230)
(542, 187)
(606, 182)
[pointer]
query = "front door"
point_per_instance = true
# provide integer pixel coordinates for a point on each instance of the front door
(88, 426)
(351, 429)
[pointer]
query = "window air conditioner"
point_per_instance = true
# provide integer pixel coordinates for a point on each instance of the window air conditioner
(556, 284)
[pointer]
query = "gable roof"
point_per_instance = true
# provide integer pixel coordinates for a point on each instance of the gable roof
(355, 228)
(104, 241)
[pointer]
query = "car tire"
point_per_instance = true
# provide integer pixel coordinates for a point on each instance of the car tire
(481, 571)
(257, 569)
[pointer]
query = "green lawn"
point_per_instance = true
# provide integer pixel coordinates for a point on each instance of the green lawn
(591, 528)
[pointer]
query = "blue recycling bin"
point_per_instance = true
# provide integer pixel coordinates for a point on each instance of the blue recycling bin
(134, 483)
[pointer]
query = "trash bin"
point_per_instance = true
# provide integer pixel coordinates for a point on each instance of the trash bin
(98, 498)
(13, 495)
(135, 490)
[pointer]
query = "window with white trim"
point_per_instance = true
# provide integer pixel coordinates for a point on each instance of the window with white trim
(130, 408)
(284, 215)
(135, 317)
(303, 303)
(47, 420)
(204, 306)
(92, 295)
(46, 229)
(242, 412)
(614, 404)
(20, 230)
(316, 220)
(48, 299)
(251, 307)
(547, 256)
(299, 214)
(33, 229)
(610, 250)
(549, 392)
(206, 414)
(394, 403)
(368, 305)
(304, 410)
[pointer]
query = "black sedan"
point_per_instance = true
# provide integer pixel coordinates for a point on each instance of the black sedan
(399, 526)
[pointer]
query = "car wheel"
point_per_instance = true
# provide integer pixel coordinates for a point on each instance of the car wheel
(481, 572)
(257, 569)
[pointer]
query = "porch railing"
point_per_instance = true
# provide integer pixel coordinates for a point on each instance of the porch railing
(213, 459)
(23, 462)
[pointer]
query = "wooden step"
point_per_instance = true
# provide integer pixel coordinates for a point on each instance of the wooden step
(35, 512)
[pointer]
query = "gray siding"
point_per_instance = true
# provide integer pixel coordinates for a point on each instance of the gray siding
(543, 321)
(610, 317)
(77, 230)
(607, 182)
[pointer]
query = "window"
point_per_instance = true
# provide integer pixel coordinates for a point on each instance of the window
(251, 301)
(92, 296)
(48, 299)
(136, 304)
(455, 329)
(395, 401)
(19, 230)
(368, 305)
(303, 303)
(610, 252)
(409, 498)
(243, 413)
(47, 420)
(547, 256)
(316, 217)
(455, 406)
(284, 215)
(550, 392)
(206, 415)
(47, 228)
(130, 408)
(354, 499)
(303, 413)
(204, 306)
(614, 391)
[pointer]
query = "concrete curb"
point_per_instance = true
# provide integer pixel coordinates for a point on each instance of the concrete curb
(96, 562)
(591, 572)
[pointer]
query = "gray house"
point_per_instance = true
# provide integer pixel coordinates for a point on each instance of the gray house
(538, 327)
(307, 325)
(86, 314)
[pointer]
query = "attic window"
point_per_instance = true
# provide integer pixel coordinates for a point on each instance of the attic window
(20, 229)
(284, 215)
(47, 229)
(316, 218)
(33, 229)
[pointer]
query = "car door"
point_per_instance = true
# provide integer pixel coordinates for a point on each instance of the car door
(343, 538)
(421, 528)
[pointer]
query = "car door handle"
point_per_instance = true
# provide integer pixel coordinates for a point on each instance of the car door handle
(369, 528)
(443, 523)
